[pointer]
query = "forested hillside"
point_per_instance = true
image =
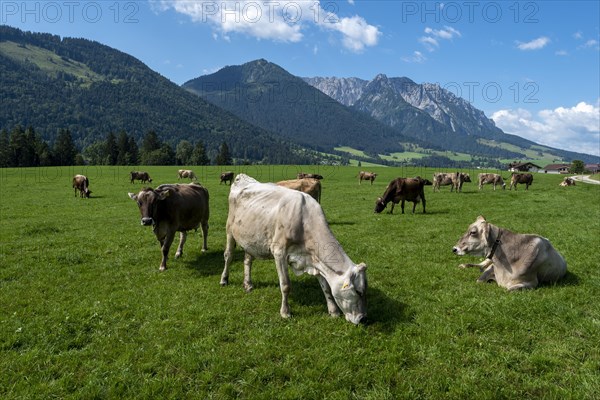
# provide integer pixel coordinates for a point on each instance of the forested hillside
(266, 95)
(91, 90)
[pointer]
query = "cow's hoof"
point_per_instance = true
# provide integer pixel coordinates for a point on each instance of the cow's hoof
(248, 288)
(335, 314)
(178, 254)
(204, 250)
(463, 266)
(286, 315)
(224, 282)
(162, 269)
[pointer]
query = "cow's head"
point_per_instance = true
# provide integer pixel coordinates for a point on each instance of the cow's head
(147, 200)
(379, 205)
(87, 192)
(350, 294)
(475, 240)
(466, 178)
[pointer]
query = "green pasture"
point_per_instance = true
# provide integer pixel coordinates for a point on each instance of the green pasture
(85, 313)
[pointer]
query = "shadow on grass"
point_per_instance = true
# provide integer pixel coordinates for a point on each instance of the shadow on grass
(209, 263)
(342, 223)
(570, 279)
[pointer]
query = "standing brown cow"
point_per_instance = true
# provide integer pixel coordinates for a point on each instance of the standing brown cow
(81, 183)
(494, 179)
(187, 173)
(516, 178)
(140, 176)
(226, 177)
(401, 189)
(174, 208)
(367, 176)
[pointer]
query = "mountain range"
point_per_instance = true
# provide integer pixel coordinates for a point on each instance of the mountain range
(263, 112)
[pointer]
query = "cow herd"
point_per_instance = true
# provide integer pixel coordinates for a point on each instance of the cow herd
(285, 222)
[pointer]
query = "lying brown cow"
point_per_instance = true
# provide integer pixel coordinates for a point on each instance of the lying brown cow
(312, 187)
(174, 208)
(226, 177)
(187, 173)
(81, 183)
(302, 175)
(140, 176)
(367, 176)
(513, 260)
(567, 182)
(494, 179)
(401, 189)
(516, 178)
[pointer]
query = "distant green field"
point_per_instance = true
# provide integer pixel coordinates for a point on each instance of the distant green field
(48, 61)
(407, 156)
(537, 154)
(85, 313)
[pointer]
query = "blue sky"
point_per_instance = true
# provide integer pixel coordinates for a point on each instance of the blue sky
(532, 66)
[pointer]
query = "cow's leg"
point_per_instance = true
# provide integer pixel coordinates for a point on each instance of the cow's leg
(402, 206)
(423, 200)
(182, 239)
(524, 285)
(228, 256)
(488, 275)
(204, 236)
(165, 247)
(414, 206)
(248, 272)
(332, 307)
(483, 265)
(284, 280)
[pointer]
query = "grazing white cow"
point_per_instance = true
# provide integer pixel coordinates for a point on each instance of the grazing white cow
(513, 260)
(270, 221)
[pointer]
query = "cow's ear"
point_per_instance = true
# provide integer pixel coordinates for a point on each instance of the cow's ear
(164, 194)
(133, 196)
(361, 267)
(481, 218)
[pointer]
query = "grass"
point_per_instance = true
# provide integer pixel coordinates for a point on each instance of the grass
(84, 312)
(536, 154)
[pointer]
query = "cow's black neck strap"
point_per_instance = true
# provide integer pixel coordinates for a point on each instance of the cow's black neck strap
(495, 245)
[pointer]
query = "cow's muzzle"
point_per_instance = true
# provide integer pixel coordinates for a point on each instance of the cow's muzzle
(456, 250)
(147, 221)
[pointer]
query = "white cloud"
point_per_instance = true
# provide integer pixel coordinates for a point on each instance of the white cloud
(432, 41)
(446, 33)
(561, 53)
(416, 57)
(592, 43)
(281, 21)
(571, 128)
(535, 44)
(578, 35)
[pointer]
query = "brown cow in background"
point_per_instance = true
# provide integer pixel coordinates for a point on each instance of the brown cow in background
(367, 176)
(226, 177)
(312, 187)
(516, 178)
(140, 176)
(302, 175)
(81, 183)
(187, 173)
(403, 189)
(494, 179)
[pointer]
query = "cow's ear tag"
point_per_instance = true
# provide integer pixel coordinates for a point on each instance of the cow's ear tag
(346, 285)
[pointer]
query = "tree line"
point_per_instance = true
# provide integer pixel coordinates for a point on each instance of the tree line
(25, 148)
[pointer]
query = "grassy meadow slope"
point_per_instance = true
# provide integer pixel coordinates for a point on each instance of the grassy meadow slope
(84, 311)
